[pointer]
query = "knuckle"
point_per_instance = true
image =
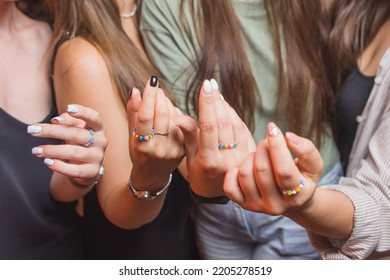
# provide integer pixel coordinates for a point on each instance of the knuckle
(224, 123)
(208, 126)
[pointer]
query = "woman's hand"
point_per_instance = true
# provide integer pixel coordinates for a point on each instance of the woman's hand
(219, 142)
(156, 143)
(270, 180)
(81, 154)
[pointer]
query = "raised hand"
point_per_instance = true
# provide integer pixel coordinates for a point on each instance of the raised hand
(217, 143)
(270, 180)
(156, 143)
(81, 155)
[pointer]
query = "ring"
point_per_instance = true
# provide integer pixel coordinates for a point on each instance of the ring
(296, 189)
(91, 140)
(161, 133)
(223, 146)
(143, 137)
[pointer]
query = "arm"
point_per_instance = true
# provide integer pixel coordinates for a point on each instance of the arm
(81, 76)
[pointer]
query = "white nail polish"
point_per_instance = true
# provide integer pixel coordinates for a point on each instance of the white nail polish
(57, 119)
(214, 84)
(207, 89)
(34, 129)
(222, 96)
(72, 109)
(48, 161)
(37, 150)
(273, 131)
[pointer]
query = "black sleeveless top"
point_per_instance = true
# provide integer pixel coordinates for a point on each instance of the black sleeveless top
(351, 100)
(32, 224)
(169, 236)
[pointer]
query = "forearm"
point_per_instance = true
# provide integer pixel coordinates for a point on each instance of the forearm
(329, 213)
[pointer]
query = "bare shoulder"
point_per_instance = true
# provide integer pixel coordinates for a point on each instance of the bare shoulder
(77, 54)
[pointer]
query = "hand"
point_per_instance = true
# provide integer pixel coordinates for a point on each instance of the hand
(156, 145)
(219, 142)
(264, 180)
(81, 155)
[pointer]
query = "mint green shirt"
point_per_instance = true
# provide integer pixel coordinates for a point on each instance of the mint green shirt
(172, 51)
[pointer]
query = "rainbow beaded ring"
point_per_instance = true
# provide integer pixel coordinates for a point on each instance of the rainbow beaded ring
(143, 137)
(295, 190)
(222, 146)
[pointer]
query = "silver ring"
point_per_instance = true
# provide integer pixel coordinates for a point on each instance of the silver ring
(161, 133)
(91, 139)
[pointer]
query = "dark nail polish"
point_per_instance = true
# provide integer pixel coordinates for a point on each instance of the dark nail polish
(153, 81)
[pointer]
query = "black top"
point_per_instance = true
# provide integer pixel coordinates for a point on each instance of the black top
(352, 99)
(32, 224)
(169, 236)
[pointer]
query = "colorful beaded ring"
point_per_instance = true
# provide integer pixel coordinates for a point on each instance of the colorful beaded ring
(222, 146)
(91, 139)
(295, 190)
(143, 137)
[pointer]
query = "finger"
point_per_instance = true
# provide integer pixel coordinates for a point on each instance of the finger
(190, 132)
(161, 114)
(208, 137)
(264, 173)
(286, 172)
(232, 188)
(247, 181)
(71, 134)
(68, 120)
(80, 171)
(133, 105)
(69, 153)
(224, 122)
(89, 115)
(240, 132)
(146, 112)
(308, 157)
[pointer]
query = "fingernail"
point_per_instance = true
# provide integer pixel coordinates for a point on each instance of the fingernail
(72, 109)
(214, 84)
(34, 129)
(153, 81)
(48, 161)
(37, 150)
(293, 138)
(272, 130)
(207, 88)
(57, 119)
(222, 96)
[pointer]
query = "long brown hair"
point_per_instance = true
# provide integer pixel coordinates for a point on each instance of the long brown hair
(355, 23)
(98, 22)
(300, 28)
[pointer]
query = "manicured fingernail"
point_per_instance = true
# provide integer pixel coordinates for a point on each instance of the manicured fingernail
(272, 130)
(207, 88)
(222, 96)
(153, 81)
(37, 150)
(48, 161)
(214, 84)
(72, 109)
(293, 138)
(34, 129)
(57, 119)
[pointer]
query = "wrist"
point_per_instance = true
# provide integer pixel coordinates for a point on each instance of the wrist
(142, 194)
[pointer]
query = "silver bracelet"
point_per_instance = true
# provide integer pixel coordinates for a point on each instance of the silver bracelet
(148, 195)
(80, 187)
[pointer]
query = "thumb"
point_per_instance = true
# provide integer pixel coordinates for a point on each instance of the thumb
(190, 132)
(308, 157)
(133, 106)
